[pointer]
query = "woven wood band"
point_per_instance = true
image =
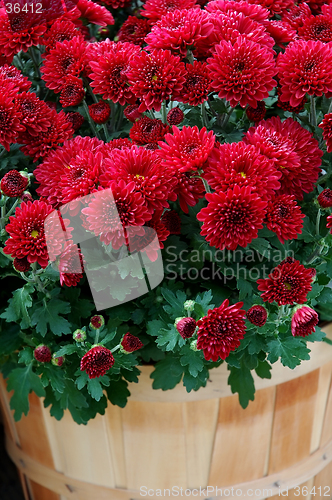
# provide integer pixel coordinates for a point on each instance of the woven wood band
(75, 489)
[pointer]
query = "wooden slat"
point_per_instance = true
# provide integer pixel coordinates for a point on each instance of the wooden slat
(114, 432)
(242, 439)
(200, 422)
(324, 382)
(38, 492)
(324, 478)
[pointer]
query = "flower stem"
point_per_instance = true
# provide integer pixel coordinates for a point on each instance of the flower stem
(313, 118)
(97, 336)
(115, 348)
(163, 112)
(34, 60)
(204, 116)
(207, 187)
(89, 89)
(13, 208)
(190, 56)
(330, 108)
(91, 122)
(318, 221)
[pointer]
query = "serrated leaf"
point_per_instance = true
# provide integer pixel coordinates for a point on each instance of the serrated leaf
(203, 303)
(317, 336)
(17, 309)
(72, 395)
(175, 307)
(263, 369)
(110, 336)
(26, 356)
(308, 231)
(169, 338)
(194, 383)
(95, 389)
(10, 340)
(48, 316)
(56, 377)
(66, 350)
(242, 382)
(22, 381)
(261, 245)
(291, 351)
(244, 287)
(194, 360)
(154, 327)
(118, 393)
(167, 373)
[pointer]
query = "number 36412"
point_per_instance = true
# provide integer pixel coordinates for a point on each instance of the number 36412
(16, 8)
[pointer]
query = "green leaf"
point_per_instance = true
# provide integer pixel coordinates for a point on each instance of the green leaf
(26, 356)
(308, 231)
(291, 350)
(242, 382)
(10, 340)
(261, 245)
(203, 303)
(263, 369)
(138, 316)
(244, 287)
(17, 309)
(169, 338)
(317, 336)
(48, 316)
(167, 373)
(110, 336)
(194, 360)
(194, 383)
(95, 388)
(22, 381)
(56, 377)
(66, 350)
(175, 307)
(72, 395)
(154, 327)
(118, 393)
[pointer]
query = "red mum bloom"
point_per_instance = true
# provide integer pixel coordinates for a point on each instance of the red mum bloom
(294, 151)
(275, 6)
(256, 115)
(68, 262)
(143, 170)
(232, 218)
(100, 111)
(26, 231)
(284, 217)
(13, 184)
(109, 148)
(21, 265)
(289, 282)
(145, 240)
(243, 72)
(75, 119)
(281, 32)
(317, 28)
(257, 315)
(130, 343)
(196, 86)
(42, 353)
(297, 15)
(242, 165)
(156, 9)
(10, 120)
(287, 107)
(94, 13)
(67, 58)
(180, 29)
(134, 30)
(61, 30)
(97, 321)
(175, 116)
(304, 321)
(107, 214)
(131, 113)
(172, 221)
(19, 33)
(189, 189)
(146, 130)
(325, 198)
(155, 76)
(329, 223)
(36, 115)
(187, 149)
(256, 12)
(72, 92)
(305, 68)
(55, 167)
(97, 361)
(13, 75)
(221, 331)
(41, 145)
(326, 126)
(186, 327)
(110, 72)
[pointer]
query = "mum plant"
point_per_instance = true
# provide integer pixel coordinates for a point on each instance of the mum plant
(206, 124)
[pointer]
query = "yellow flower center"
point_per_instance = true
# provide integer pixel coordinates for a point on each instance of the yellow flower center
(288, 286)
(139, 176)
(243, 175)
(34, 233)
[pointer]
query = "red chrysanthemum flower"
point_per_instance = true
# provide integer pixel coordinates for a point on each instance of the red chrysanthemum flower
(243, 72)
(317, 28)
(172, 221)
(196, 86)
(317, 6)
(256, 12)
(175, 116)
(100, 111)
(109, 148)
(61, 30)
(131, 112)
(187, 149)
(289, 282)
(41, 145)
(116, 4)
(26, 231)
(180, 29)
(113, 209)
(66, 59)
(36, 115)
(94, 13)
(55, 168)
(130, 343)
(72, 92)
(10, 120)
(75, 119)
(256, 115)
(221, 331)
(186, 327)
(13, 184)
(19, 33)
(13, 75)
(326, 126)
(156, 9)
(287, 107)
(257, 315)
(275, 6)
(294, 151)
(284, 217)
(189, 189)
(239, 164)
(143, 170)
(145, 240)
(146, 130)
(110, 72)
(233, 218)
(97, 361)
(68, 263)
(42, 353)
(329, 223)
(134, 30)
(21, 265)
(26, 197)
(297, 15)
(155, 76)
(304, 321)
(305, 68)
(325, 198)
(97, 321)
(280, 32)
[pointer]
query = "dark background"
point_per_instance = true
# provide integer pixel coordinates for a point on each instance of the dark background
(10, 486)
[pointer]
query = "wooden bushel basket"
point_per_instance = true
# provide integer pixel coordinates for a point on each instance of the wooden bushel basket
(164, 440)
